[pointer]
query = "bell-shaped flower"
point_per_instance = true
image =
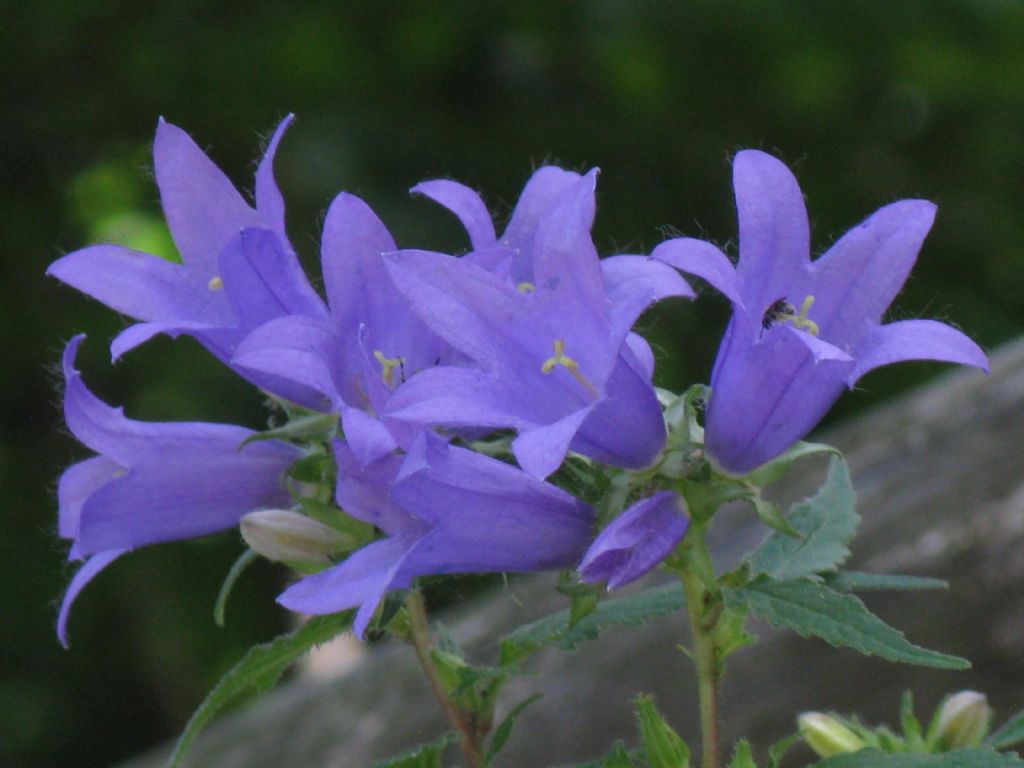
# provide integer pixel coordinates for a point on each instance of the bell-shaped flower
(154, 482)
(443, 510)
(238, 269)
(550, 354)
(636, 541)
(802, 331)
(367, 345)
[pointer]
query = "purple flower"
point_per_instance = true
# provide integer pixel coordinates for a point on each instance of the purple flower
(370, 342)
(154, 482)
(803, 331)
(636, 541)
(551, 354)
(444, 510)
(238, 269)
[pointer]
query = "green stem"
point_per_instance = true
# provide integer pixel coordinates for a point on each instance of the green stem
(422, 642)
(701, 605)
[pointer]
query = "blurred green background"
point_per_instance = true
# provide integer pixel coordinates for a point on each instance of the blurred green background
(868, 101)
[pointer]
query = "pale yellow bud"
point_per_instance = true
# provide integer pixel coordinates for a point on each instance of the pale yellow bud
(827, 736)
(964, 719)
(284, 535)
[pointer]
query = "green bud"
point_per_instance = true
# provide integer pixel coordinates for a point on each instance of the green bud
(286, 536)
(827, 736)
(964, 719)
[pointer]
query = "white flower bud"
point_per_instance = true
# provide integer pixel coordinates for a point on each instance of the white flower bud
(827, 736)
(964, 719)
(284, 535)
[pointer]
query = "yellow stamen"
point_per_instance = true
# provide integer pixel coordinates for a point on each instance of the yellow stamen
(388, 365)
(215, 283)
(525, 287)
(562, 359)
(802, 321)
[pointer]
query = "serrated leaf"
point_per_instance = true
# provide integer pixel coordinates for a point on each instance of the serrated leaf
(742, 755)
(423, 756)
(1010, 734)
(663, 747)
(244, 561)
(825, 523)
(811, 608)
(852, 581)
(258, 671)
(554, 630)
(960, 758)
(504, 729)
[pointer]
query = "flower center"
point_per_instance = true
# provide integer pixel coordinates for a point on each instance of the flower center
(526, 287)
(781, 311)
(562, 359)
(388, 366)
(216, 283)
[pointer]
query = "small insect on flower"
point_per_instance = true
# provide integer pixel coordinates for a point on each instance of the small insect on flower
(779, 310)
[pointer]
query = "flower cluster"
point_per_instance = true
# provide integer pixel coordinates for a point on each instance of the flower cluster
(453, 389)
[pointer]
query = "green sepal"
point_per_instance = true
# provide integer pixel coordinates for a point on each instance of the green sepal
(583, 598)
(317, 468)
(423, 756)
(742, 755)
(555, 630)
(663, 747)
(355, 533)
(504, 729)
(959, 758)
(768, 473)
(1009, 734)
(810, 608)
(258, 671)
(779, 749)
(247, 558)
(912, 733)
(823, 526)
(312, 428)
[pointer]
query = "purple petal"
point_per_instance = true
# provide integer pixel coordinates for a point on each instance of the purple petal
(541, 449)
(367, 436)
(141, 286)
(465, 204)
(263, 281)
(774, 234)
(454, 397)
(861, 274)
(636, 541)
(915, 340)
(78, 483)
(645, 275)
(643, 354)
(768, 391)
(703, 260)
(363, 491)
(83, 576)
(539, 196)
(269, 201)
(203, 208)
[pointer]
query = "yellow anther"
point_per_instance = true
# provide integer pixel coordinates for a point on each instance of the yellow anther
(802, 321)
(388, 365)
(562, 359)
(525, 287)
(215, 283)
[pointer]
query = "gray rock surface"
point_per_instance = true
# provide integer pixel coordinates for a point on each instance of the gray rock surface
(940, 480)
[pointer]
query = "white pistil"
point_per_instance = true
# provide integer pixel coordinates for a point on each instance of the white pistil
(562, 359)
(388, 365)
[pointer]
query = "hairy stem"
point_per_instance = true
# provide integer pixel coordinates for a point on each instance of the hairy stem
(422, 642)
(702, 613)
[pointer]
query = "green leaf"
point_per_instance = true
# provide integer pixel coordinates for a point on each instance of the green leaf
(554, 630)
(423, 756)
(960, 758)
(317, 427)
(258, 670)
(662, 746)
(616, 757)
(1010, 734)
(825, 523)
(244, 561)
(811, 608)
(742, 755)
(853, 581)
(504, 729)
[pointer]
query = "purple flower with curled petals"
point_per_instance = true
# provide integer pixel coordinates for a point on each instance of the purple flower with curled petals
(636, 541)
(802, 331)
(238, 269)
(443, 510)
(368, 344)
(550, 348)
(154, 482)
